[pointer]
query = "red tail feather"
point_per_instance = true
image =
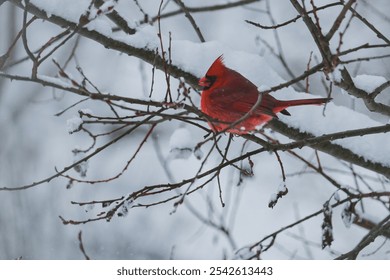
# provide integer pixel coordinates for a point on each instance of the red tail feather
(312, 101)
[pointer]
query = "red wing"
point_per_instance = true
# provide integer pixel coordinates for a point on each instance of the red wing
(241, 102)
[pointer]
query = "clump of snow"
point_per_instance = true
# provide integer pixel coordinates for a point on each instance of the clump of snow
(336, 196)
(368, 82)
(181, 138)
(282, 188)
(85, 111)
(96, 22)
(74, 124)
(100, 24)
(367, 216)
(124, 209)
(336, 74)
(281, 191)
(273, 199)
(103, 9)
(181, 144)
(70, 9)
(145, 37)
(196, 58)
(339, 118)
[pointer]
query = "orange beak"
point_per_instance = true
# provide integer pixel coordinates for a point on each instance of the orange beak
(204, 82)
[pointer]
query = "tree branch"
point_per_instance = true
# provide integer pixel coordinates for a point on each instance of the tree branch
(381, 227)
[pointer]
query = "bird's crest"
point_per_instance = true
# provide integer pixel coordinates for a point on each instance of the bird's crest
(218, 67)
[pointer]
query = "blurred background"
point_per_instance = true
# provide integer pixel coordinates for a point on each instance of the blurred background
(33, 142)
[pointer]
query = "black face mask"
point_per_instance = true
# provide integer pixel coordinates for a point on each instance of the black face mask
(211, 80)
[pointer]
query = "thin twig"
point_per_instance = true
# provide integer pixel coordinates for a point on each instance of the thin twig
(370, 237)
(81, 246)
(206, 8)
(191, 20)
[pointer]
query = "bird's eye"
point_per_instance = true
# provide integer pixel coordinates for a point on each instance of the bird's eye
(207, 82)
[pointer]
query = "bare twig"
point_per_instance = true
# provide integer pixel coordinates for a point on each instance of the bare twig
(206, 8)
(381, 227)
(191, 20)
(275, 26)
(348, 85)
(81, 246)
(339, 19)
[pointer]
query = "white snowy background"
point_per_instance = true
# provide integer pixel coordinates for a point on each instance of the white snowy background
(33, 142)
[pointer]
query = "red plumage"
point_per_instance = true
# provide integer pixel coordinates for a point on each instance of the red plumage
(227, 96)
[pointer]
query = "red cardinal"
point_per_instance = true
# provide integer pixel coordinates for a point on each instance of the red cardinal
(227, 96)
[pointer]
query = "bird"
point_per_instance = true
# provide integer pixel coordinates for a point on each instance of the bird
(227, 99)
